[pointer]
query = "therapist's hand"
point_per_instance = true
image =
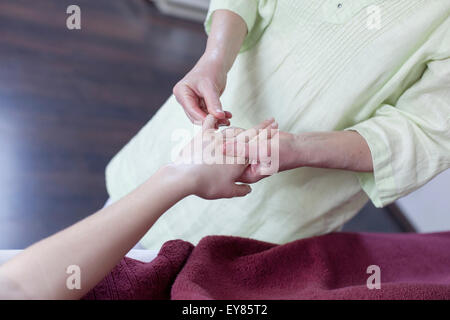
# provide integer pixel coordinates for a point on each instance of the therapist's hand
(277, 155)
(200, 90)
(281, 147)
(211, 174)
(343, 150)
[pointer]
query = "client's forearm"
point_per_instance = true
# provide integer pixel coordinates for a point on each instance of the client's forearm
(95, 244)
(346, 150)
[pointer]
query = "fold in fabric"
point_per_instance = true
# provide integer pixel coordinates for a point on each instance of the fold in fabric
(333, 266)
(135, 280)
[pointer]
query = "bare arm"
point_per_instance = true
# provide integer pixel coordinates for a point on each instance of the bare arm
(227, 34)
(97, 243)
(344, 150)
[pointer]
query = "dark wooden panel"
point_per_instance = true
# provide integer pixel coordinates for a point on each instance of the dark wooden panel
(69, 100)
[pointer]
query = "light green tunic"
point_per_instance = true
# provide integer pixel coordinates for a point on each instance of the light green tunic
(379, 67)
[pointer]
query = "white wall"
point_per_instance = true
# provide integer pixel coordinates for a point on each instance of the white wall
(428, 209)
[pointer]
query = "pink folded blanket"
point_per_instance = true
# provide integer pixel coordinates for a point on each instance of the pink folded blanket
(333, 266)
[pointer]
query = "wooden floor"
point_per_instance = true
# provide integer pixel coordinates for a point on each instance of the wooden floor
(69, 100)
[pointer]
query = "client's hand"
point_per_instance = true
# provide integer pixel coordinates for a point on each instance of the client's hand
(213, 174)
(268, 156)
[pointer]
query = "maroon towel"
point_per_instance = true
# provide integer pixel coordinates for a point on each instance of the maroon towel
(333, 266)
(132, 279)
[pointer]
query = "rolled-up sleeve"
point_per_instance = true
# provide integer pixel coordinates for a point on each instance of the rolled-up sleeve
(409, 142)
(257, 15)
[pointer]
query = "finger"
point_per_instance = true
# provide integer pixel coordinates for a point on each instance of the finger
(234, 148)
(253, 132)
(251, 175)
(272, 130)
(240, 190)
(194, 121)
(223, 122)
(256, 150)
(232, 132)
(260, 147)
(212, 100)
(265, 124)
(264, 140)
(259, 136)
(190, 102)
(247, 151)
(239, 147)
(209, 123)
(230, 144)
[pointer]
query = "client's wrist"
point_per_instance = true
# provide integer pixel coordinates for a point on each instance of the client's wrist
(177, 179)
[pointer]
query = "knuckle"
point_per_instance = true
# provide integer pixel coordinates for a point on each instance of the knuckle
(176, 89)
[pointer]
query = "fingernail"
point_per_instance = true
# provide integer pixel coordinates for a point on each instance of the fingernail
(274, 125)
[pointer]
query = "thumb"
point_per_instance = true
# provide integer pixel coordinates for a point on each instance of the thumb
(213, 104)
(240, 190)
(209, 122)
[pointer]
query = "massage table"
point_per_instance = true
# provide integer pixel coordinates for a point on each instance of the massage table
(137, 253)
